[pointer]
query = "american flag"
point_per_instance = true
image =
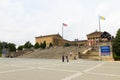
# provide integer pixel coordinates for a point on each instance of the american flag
(65, 24)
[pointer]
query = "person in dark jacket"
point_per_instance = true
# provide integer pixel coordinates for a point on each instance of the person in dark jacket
(67, 58)
(63, 58)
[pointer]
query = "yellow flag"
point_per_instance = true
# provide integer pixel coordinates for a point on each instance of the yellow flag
(102, 17)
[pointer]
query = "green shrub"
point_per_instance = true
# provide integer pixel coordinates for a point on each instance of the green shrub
(116, 46)
(116, 58)
(67, 45)
(36, 46)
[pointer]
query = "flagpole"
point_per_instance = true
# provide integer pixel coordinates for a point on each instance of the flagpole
(62, 30)
(62, 35)
(63, 24)
(99, 24)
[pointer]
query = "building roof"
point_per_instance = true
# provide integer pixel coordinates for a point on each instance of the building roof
(95, 33)
(106, 35)
(49, 35)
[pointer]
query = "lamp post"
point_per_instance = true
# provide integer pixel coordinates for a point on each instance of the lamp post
(76, 40)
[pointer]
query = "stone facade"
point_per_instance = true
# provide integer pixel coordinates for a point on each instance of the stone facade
(80, 43)
(94, 38)
(55, 39)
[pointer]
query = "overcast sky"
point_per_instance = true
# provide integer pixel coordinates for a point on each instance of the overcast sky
(23, 20)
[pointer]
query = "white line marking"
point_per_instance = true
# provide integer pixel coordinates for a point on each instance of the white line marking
(104, 74)
(22, 66)
(80, 73)
(16, 70)
(73, 76)
(57, 69)
(98, 65)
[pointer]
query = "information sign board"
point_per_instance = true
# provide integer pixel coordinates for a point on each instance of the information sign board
(105, 50)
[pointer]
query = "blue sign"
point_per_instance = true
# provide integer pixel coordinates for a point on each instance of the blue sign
(105, 50)
(3, 51)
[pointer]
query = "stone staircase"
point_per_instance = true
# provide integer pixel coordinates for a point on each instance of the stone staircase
(55, 52)
(91, 54)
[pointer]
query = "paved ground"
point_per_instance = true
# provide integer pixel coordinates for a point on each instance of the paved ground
(52, 69)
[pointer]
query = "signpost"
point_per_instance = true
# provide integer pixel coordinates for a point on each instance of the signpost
(0, 52)
(3, 52)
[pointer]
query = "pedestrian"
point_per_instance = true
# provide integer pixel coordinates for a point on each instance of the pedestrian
(63, 58)
(70, 54)
(75, 58)
(67, 59)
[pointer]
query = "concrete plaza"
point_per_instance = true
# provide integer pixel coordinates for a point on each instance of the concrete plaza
(55, 69)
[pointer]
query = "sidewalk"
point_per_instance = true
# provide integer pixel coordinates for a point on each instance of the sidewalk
(55, 69)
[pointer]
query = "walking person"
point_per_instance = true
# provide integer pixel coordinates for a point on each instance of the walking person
(67, 58)
(70, 54)
(63, 58)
